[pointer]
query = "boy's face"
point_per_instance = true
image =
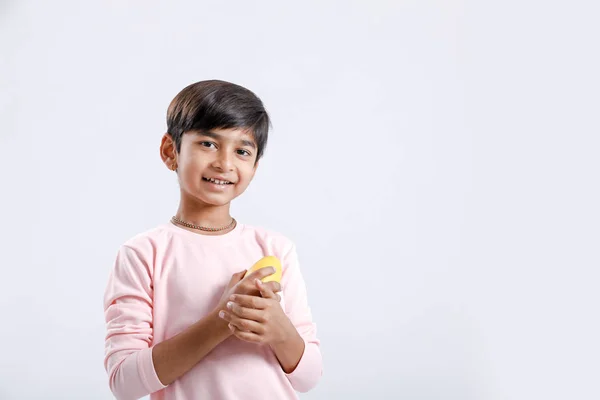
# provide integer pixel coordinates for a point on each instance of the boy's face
(207, 159)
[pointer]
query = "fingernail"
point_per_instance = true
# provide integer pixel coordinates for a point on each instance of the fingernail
(221, 314)
(229, 305)
(232, 297)
(259, 282)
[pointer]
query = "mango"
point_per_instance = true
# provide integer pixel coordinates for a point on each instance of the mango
(268, 261)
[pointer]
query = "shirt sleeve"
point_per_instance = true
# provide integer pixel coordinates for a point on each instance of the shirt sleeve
(129, 335)
(309, 370)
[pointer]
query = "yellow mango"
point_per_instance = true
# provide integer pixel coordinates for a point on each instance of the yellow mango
(268, 261)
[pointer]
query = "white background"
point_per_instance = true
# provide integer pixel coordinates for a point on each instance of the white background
(435, 161)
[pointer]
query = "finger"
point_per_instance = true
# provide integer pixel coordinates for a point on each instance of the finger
(235, 278)
(265, 291)
(278, 297)
(274, 286)
(244, 324)
(248, 301)
(246, 336)
(225, 316)
(260, 274)
(245, 312)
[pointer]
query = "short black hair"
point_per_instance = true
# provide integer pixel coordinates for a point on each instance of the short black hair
(216, 104)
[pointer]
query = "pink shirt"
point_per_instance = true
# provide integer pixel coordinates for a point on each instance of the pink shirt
(168, 278)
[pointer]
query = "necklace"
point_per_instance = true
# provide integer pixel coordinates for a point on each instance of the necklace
(176, 220)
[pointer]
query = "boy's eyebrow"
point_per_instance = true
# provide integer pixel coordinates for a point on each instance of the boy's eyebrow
(218, 136)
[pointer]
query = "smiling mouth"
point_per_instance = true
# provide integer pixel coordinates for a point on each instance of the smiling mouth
(217, 181)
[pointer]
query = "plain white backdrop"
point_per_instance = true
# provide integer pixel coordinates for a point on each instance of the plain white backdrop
(436, 163)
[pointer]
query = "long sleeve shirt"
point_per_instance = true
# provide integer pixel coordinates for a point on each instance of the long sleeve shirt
(166, 279)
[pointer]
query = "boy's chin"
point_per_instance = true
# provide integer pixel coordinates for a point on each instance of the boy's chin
(216, 201)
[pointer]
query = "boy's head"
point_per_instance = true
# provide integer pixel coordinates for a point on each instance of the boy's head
(214, 104)
(216, 130)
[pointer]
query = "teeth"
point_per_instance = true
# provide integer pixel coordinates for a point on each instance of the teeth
(218, 182)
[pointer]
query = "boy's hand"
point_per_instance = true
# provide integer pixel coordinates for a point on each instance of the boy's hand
(247, 286)
(258, 319)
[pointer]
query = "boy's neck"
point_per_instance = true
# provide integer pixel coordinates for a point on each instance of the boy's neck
(205, 216)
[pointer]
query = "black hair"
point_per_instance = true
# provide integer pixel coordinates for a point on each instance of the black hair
(216, 104)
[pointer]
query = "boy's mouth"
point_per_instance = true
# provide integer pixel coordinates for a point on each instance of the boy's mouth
(217, 181)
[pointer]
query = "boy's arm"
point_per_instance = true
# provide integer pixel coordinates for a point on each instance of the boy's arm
(288, 329)
(128, 305)
(290, 352)
(174, 357)
(135, 367)
(300, 357)
(177, 355)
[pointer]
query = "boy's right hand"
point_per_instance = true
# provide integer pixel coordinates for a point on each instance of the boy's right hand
(240, 285)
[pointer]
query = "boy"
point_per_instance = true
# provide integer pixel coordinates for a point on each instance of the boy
(182, 320)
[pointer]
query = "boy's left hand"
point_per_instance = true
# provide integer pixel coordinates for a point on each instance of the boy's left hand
(258, 319)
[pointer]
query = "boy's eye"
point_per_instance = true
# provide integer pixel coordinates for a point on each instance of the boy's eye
(207, 144)
(243, 152)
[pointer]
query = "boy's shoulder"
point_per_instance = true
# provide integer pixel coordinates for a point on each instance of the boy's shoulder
(266, 233)
(163, 233)
(147, 239)
(271, 241)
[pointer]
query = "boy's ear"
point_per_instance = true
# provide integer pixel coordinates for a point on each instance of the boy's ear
(167, 150)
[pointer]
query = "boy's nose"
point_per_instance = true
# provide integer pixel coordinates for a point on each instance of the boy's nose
(224, 162)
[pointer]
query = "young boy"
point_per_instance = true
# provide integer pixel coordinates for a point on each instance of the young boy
(182, 320)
